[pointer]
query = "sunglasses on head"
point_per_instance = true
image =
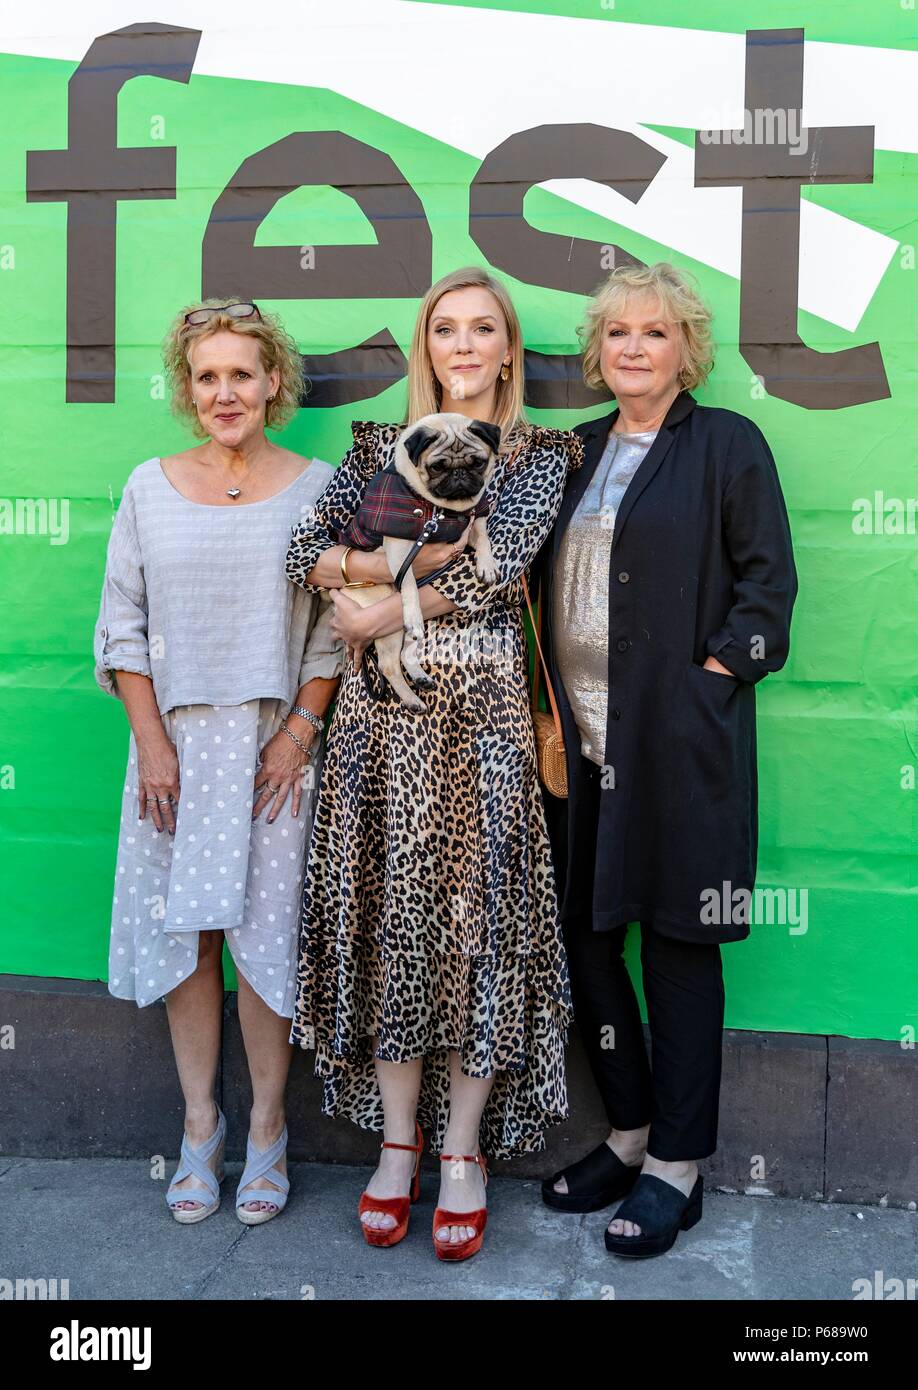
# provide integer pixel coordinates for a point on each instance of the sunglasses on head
(237, 310)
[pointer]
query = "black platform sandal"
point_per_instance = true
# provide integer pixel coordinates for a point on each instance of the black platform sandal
(593, 1182)
(661, 1211)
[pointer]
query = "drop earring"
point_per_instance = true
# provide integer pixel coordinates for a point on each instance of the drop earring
(505, 373)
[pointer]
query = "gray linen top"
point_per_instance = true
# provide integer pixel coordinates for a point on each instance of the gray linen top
(196, 596)
(580, 613)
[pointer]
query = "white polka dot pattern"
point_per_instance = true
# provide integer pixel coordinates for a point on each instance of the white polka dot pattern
(205, 877)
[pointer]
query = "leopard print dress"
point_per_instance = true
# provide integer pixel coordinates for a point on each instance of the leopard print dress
(430, 916)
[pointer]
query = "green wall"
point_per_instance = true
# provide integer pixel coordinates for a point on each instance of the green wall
(838, 727)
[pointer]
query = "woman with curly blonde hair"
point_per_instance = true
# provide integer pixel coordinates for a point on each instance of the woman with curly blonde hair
(669, 587)
(225, 670)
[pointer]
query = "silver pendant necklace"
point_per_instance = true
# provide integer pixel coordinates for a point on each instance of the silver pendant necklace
(235, 492)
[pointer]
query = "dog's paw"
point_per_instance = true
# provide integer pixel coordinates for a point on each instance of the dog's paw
(414, 703)
(486, 571)
(423, 681)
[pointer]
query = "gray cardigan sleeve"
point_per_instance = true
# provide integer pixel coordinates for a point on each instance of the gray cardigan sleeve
(324, 654)
(121, 631)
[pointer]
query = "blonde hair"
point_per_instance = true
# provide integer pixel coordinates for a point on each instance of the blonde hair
(425, 393)
(276, 349)
(680, 303)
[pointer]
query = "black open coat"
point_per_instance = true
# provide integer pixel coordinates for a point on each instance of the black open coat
(701, 564)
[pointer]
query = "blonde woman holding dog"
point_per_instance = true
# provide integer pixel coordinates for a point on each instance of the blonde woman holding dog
(432, 980)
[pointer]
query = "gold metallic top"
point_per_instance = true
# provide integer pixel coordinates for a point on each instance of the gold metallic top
(580, 611)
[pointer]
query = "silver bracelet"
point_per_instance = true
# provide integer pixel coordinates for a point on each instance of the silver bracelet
(315, 720)
(298, 741)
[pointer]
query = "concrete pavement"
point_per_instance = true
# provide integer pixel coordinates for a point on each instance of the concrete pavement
(102, 1225)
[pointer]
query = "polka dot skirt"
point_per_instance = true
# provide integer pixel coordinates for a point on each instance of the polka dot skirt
(221, 870)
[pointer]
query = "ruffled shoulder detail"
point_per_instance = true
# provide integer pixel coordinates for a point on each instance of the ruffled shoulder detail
(370, 440)
(367, 433)
(558, 441)
(574, 449)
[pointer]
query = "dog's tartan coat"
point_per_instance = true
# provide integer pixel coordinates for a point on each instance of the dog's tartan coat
(390, 508)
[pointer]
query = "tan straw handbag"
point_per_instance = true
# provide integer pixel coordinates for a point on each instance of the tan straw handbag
(549, 738)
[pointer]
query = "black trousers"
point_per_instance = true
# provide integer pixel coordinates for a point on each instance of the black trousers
(684, 993)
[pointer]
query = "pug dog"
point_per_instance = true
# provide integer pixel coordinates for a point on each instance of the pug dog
(441, 468)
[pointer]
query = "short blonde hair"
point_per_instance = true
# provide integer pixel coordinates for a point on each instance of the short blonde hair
(681, 304)
(425, 394)
(276, 349)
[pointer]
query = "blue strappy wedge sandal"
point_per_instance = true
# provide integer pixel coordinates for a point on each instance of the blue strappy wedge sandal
(259, 1163)
(193, 1163)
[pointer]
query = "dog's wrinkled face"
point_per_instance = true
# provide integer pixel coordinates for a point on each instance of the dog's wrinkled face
(448, 458)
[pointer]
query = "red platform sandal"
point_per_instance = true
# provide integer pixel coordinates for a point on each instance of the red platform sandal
(461, 1250)
(398, 1207)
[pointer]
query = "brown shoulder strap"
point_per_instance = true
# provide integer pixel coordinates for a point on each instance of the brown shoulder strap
(535, 623)
(548, 690)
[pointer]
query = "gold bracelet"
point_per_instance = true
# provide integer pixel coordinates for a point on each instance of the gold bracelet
(353, 583)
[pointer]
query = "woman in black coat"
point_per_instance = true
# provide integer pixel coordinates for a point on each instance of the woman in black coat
(669, 582)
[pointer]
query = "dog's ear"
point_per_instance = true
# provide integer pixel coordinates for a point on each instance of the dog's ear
(488, 432)
(418, 441)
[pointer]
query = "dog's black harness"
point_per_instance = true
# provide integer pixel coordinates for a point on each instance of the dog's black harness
(428, 530)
